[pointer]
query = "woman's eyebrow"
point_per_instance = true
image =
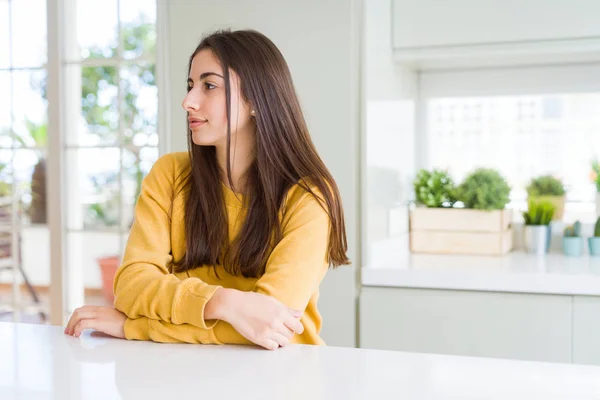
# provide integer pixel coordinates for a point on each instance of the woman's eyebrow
(206, 74)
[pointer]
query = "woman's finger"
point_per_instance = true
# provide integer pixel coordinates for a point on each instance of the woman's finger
(269, 344)
(84, 324)
(281, 339)
(85, 312)
(294, 324)
(285, 331)
(296, 313)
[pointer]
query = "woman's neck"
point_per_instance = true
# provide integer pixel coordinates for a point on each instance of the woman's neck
(241, 157)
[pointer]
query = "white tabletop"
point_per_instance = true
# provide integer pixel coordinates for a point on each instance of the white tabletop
(552, 273)
(40, 362)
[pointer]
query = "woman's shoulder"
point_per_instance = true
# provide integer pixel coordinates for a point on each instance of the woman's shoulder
(173, 162)
(170, 170)
(304, 203)
(171, 166)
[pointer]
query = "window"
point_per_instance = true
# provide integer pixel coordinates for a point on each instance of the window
(110, 138)
(23, 145)
(524, 121)
(522, 136)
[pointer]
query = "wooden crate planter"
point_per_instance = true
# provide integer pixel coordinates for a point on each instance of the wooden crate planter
(460, 231)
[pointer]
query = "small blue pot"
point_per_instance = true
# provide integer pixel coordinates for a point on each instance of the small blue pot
(573, 246)
(594, 245)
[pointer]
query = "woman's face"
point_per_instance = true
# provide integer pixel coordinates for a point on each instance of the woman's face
(205, 102)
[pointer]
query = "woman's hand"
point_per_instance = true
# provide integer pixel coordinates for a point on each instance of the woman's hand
(104, 319)
(261, 319)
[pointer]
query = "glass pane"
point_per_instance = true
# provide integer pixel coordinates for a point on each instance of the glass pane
(92, 177)
(136, 165)
(140, 103)
(521, 136)
(5, 106)
(30, 175)
(28, 25)
(6, 209)
(35, 255)
(138, 28)
(93, 256)
(96, 115)
(4, 35)
(30, 108)
(97, 31)
(6, 175)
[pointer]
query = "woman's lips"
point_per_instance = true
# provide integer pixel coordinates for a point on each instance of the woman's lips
(196, 123)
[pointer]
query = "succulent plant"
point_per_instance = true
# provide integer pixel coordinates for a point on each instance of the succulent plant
(573, 230)
(597, 228)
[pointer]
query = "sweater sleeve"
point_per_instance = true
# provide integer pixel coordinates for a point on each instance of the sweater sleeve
(294, 271)
(297, 264)
(143, 285)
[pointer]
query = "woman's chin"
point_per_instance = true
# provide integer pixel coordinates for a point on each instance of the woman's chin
(203, 139)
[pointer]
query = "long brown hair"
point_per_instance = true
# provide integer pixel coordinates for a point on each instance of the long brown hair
(285, 156)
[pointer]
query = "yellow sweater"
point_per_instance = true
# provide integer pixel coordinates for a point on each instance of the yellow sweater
(169, 307)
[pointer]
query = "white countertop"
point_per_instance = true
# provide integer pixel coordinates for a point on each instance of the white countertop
(40, 362)
(515, 272)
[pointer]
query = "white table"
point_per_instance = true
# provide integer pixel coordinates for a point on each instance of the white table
(40, 362)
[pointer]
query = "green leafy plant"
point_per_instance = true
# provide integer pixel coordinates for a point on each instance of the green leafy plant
(545, 185)
(596, 173)
(434, 188)
(105, 212)
(573, 230)
(539, 213)
(484, 189)
(5, 186)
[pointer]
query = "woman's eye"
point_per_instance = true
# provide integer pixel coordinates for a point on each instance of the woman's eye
(209, 86)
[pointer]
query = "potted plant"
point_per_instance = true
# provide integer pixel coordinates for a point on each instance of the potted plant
(596, 179)
(5, 186)
(37, 136)
(484, 189)
(108, 268)
(572, 240)
(434, 188)
(548, 188)
(594, 241)
(110, 263)
(481, 226)
(536, 231)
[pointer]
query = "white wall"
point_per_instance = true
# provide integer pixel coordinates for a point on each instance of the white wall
(320, 42)
(389, 141)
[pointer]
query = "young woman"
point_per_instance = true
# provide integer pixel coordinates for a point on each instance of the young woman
(231, 239)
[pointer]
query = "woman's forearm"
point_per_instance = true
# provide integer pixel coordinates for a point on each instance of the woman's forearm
(220, 303)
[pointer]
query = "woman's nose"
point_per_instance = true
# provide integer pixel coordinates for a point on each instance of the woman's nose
(191, 102)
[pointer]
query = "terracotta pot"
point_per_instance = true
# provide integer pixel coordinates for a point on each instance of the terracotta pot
(108, 269)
